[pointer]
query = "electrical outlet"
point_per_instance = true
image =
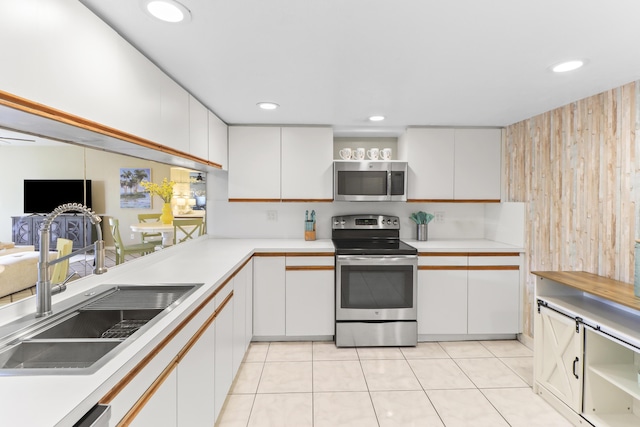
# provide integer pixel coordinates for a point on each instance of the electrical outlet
(439, 216)
(133, 236)
(272, 215)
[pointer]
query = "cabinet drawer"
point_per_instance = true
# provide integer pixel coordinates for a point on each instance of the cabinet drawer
(309, 261)
(494, 260)
(442, 260)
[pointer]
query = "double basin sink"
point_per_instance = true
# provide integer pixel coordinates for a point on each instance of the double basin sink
(91, 329)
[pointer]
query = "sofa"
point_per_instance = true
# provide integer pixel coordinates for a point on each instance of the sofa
(20, 271)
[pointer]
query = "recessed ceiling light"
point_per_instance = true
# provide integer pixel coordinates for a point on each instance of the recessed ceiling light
(167, 10)
(563, 67)
(268, 105)
(376, 118)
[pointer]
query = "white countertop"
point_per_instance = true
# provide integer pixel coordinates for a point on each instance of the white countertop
(63, 399)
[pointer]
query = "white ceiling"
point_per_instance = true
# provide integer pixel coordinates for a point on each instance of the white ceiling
(417, 62)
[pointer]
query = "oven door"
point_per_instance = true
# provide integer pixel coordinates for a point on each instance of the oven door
(376, 287)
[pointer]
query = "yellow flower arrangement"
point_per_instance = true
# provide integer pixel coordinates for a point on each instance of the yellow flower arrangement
(164, 190)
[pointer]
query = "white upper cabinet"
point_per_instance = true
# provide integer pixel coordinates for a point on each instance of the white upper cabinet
(174, 115)
(273, 163)
(452, 164)
(217, 141)
(307, 163)
(431, 164)
(254, 162)
(198, 129)
(477, 164)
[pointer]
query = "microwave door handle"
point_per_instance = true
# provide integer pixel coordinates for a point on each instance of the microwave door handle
(389, 184)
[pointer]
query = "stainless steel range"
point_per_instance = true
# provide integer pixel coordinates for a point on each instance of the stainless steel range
(376, 282)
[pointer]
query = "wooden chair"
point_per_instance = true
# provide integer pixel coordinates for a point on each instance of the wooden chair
(189, 227)
(150, 237)
(121, 249)
(61, 269)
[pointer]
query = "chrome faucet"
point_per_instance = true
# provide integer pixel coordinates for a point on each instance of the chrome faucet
(43, 285)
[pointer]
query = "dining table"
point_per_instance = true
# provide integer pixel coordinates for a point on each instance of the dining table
(156, 227)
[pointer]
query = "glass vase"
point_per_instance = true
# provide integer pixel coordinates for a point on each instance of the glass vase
(167, 214)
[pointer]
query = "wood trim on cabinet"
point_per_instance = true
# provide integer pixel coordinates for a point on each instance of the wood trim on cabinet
(307, 200)
(293, 254)
(303, 254)
(309, 267)
(256, 200)
(468, 267)
(148, 394)
(443, 254)
(45, 111)
(453, 200)
(111, 394)
(494, 253)
(473, 254)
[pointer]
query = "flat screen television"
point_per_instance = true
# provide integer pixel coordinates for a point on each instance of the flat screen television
(44, 195)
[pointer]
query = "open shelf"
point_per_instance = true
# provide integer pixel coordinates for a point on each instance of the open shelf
(614, 420)
(623, 376)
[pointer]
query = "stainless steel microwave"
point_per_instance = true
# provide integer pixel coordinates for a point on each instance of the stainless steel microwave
(369, 181)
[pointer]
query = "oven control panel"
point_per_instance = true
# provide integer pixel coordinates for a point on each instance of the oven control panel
(366, 222)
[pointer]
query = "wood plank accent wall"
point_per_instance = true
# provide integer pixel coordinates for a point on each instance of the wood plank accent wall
(578, 169)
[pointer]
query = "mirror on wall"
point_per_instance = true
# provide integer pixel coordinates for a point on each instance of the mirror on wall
(37, 173)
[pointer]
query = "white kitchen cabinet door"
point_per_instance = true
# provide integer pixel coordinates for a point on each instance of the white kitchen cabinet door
(307, 163)
(218, 141)
(558, 356)
(493, 301)
(239, 318)
(198, 129)
(269, 296)
(174, 115)
(247, 272)
(161, 409)
(477, 164)
(254, 162)
(310, 303)
(442, 302)
(223, 355)
(196, 383)
(430, 155)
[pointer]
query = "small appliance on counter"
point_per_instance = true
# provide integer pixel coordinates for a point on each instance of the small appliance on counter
(376, 281)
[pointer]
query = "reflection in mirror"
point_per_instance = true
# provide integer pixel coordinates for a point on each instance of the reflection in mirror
(109, 195)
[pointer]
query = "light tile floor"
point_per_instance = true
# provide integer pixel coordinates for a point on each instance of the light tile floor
(471, 383)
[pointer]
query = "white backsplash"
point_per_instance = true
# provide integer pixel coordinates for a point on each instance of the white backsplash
(250, 220)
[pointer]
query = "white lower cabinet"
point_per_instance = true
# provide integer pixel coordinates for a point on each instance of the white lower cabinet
(223, 359)
(268, 296)
(293, 296)
(196, 380)
(558, 358)
(469, 294)
(310, 296)
(442, 302)
(493, 301)
(161, 409)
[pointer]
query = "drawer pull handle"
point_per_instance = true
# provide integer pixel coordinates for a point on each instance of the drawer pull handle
(576, 360)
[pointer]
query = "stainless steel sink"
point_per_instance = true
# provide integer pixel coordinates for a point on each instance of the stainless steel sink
(55, 355)
(117, 324)
(88, 330)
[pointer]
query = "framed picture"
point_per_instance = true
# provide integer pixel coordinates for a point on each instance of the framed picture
(132, 195)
